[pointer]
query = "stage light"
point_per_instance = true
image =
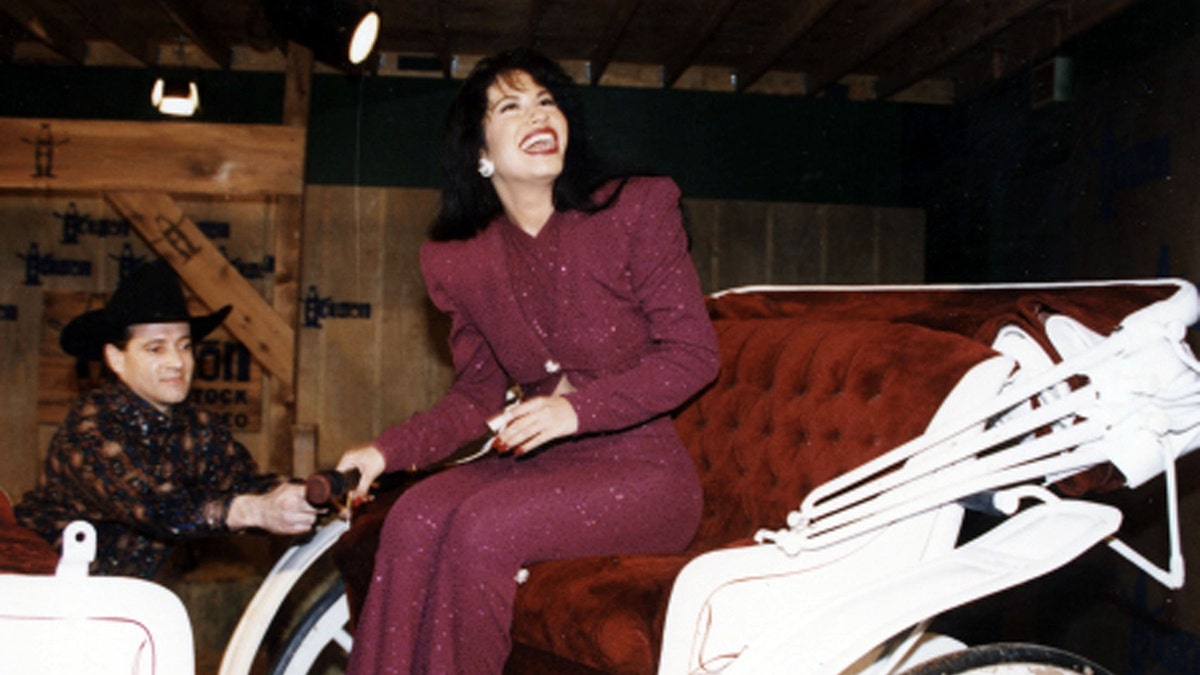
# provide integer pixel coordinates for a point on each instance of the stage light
(175, 97)
(341, 33)
(362, 40)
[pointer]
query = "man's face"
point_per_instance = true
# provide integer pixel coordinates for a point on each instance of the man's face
(157, 363)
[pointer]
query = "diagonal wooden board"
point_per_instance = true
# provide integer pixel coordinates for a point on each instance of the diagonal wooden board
(165, 228)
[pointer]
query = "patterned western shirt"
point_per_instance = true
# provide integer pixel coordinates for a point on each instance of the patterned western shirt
(142, 477)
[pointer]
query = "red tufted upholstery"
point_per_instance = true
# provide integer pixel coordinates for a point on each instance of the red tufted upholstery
(22, 551)
(798, 403)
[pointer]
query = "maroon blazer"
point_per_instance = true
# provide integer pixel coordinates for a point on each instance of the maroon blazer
(631, 331)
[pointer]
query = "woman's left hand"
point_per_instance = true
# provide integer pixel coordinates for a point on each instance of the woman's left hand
(535, 422)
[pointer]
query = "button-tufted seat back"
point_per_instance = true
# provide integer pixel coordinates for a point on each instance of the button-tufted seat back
(798, 403)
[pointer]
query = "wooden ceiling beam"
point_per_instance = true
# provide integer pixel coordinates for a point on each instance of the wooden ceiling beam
(46, 29)
(531, 24)
(829, 40)
(800, 22)
(183, 158)
(127, 36)
(972, 22)
(1081, 17)
(618, 21)
(437, 37)
(881, 24)
(1006, 55)
(698, 35)
(1029, 43)
(183, 13)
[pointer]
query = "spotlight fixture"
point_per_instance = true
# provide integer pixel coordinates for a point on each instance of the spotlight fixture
(341, 33)
(175, 97)
(362, 39)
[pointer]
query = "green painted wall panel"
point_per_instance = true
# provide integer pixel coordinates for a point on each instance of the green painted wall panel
(387, 130)
(124, 94)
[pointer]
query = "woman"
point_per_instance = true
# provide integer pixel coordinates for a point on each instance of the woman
(580, 291)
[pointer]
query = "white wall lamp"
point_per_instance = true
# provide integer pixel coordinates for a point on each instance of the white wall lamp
(175, 96)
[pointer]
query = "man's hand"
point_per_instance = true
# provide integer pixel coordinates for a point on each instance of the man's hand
(283, 510)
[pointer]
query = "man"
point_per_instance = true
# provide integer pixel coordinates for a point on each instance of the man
(134, 457)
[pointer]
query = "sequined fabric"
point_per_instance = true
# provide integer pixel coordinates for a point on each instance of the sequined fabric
(623, 318)
(141, 477)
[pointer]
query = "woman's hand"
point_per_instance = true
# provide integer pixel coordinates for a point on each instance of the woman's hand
(369, 462)
(535, 422)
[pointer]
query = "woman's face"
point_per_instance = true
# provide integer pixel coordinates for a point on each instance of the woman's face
(524, 132)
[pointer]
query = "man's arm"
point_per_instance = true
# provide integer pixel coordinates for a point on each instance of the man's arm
(283, 510)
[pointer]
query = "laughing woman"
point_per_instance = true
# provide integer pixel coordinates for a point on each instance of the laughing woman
(578, 288)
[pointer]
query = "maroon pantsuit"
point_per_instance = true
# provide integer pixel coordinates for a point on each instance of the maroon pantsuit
(609, 300)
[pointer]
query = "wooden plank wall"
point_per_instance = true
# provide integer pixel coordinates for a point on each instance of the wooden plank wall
(358, 373)
(55, 245)
(738, 243)
(371, 349)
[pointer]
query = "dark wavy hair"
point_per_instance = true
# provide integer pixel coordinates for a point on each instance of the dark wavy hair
(469, 202)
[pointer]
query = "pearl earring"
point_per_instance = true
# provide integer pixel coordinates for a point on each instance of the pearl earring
(486, 168)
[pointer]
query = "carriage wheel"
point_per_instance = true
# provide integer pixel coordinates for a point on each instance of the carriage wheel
(1009, 659)
(320, 642)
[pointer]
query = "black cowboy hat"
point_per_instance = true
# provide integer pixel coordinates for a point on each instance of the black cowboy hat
(150, 295)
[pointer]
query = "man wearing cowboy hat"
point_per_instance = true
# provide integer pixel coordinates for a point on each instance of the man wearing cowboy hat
(135, 457)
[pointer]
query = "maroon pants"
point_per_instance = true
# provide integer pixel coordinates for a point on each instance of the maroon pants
(441, 598)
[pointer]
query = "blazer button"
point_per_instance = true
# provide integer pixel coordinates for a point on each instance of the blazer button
(552, 366)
